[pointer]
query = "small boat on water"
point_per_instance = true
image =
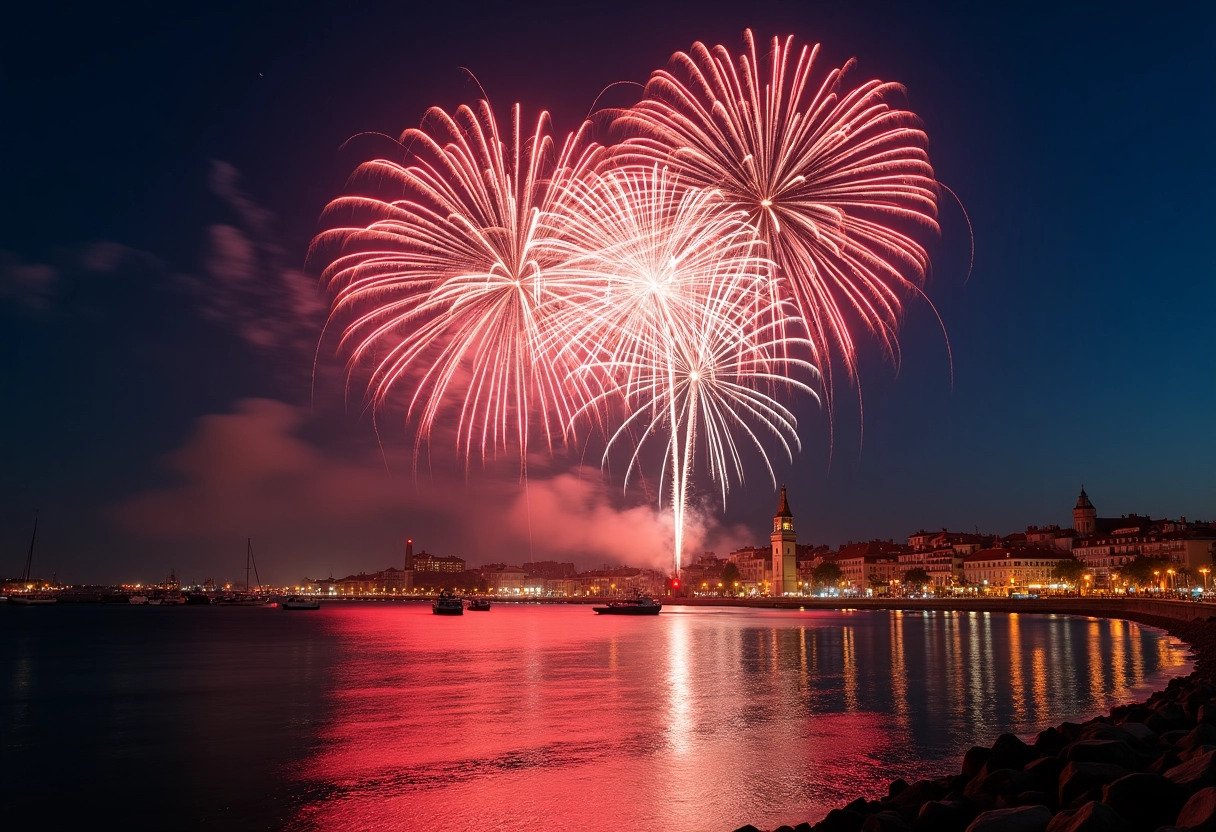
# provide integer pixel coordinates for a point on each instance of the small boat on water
(631, 606)
(31, 598)
(447, 604)
(138, 600)
(479, 605)
(300, 602)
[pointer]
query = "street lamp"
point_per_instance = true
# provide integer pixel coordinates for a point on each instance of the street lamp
(1204, 571)
(1087, 579)
(1157, 578)
(1170, 572)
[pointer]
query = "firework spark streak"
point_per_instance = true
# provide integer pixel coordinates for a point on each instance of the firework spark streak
(838, 183)
(670, 294)
(440, 286)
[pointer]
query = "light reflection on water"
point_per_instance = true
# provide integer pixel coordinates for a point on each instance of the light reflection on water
(700, 719)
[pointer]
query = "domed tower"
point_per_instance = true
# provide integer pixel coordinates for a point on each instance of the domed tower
(785, 561)
(1084, 516)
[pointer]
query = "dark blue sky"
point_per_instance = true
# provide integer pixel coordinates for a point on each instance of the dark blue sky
(165, 171)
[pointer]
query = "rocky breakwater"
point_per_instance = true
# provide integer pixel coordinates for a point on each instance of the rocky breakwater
(1145, 766)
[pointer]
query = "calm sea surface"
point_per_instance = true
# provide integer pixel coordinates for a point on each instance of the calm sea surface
(384, 716)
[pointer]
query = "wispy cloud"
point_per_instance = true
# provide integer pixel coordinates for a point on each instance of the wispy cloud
(30, 285)
(246, 280)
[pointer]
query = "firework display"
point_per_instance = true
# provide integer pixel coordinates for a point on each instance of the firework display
(681, 333)
(836, 181)
(673, 290)
(440, 285)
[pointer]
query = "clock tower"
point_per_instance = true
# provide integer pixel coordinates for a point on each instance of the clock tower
(785, 561)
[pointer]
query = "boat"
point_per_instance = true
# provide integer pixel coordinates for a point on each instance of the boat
(138, 600)
(246, 598)
(447, 604)
(631, 606)
(32, 597)
(479, 605)
(300, 602)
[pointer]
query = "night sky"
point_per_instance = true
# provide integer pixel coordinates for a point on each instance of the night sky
(165, 170)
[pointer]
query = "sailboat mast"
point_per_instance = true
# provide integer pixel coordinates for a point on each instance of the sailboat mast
(29, 558)
(248, 559)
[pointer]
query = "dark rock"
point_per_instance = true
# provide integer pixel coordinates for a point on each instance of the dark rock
(1195, 773)
(1168, 716)
(1010, 752)
(1045, 772)
(1105, 731)
(747, 828)
(885, 822)
(912, 798)
(1139, 732)
(974, 760)
(1115, 752)
(1164, 763)
(1200, 811)
(1092, 817)
(1035, 798)
(1050, 741)
(784, 828)
(1088, 796)
(1172, 738)
(1196, 699)
(840, 820)
(1202, 734)
(1078, 778)
(803, 827)
(1003, 781)
(897, 787)
(1207, 714)
(1145, 800)
(1140, 715)
(861, 806)
(944, 816)
(1071, 730)
(1024, 819)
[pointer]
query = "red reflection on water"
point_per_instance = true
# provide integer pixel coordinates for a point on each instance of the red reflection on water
(694, 720)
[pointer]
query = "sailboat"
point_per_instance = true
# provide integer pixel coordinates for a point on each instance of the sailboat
(247, 598)
(31, 598)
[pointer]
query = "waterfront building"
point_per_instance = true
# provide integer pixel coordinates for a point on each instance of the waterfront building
(549, 569)
(784, 544)
(755, 565)
(424, 562)
(864, 565)
(1004, 571)
(704, 575)
(944, 565)
(1050, 537)
(1107, 544)
(502, 579)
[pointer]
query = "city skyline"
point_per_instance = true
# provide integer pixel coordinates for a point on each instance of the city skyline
(161, 406)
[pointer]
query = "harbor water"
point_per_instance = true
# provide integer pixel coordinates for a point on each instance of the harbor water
(370, 716)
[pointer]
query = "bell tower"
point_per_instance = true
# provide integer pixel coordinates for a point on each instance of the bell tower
(785, 561)
(1084, 515)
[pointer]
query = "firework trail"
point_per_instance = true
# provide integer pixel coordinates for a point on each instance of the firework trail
(438, 282)
(836, 181)
(668, 293)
